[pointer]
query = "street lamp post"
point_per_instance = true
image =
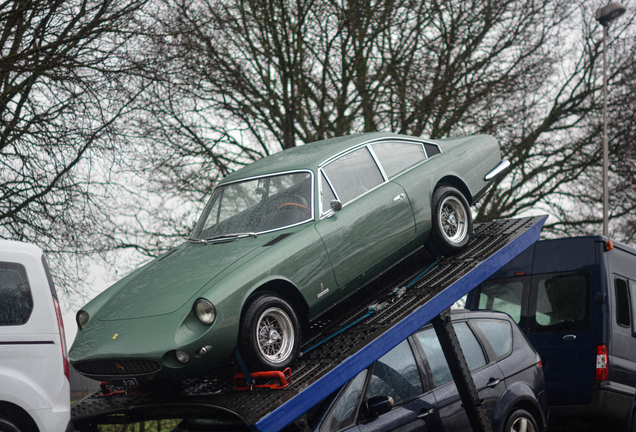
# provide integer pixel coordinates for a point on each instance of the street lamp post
(605, 16)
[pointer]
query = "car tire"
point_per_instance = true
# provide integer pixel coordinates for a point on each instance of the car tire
(7, 426)
(452, 221)
(521, 420)
(270, 334)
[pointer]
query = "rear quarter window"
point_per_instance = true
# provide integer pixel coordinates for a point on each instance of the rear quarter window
(499, 335)
(16, 302)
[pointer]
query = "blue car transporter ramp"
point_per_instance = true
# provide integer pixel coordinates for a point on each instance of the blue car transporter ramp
(336, 348)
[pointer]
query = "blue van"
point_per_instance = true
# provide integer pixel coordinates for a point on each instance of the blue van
(575, 299)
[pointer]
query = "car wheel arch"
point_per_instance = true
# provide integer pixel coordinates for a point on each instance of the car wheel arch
(529, 407)
(458, 184)
(288, 292)
(18, 416)
(516, 402)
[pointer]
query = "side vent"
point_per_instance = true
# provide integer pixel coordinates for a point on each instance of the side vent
(277, 239)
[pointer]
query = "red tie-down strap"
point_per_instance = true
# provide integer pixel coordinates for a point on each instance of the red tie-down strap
(264, 380)
(108, 390)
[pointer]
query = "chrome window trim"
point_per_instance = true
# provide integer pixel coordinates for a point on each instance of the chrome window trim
(330, 212)
(298, 171)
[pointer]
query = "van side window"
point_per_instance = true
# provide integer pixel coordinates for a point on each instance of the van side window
(632, 292)
(503, 296)
(15, 292)
(622, 303)
(562, 302)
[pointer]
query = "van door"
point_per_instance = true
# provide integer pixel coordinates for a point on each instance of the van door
(559, 328)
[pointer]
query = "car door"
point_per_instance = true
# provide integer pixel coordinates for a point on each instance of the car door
(487, 376)
(397, 375)
(375, 223)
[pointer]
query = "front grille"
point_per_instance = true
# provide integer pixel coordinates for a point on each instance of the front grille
(120, 367)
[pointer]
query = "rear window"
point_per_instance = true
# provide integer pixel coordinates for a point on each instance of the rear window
(562, 302)
(502, 296)
(15, 292)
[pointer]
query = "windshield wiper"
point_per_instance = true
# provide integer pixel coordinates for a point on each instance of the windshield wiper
(227, 237)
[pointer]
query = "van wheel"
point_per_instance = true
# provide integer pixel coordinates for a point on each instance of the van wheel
(269, 338)
(7, 426)
(452, 220)
(521, 420)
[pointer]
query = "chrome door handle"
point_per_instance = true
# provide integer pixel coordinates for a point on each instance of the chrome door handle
(425, 414)
(492, 383)
(569, 337)
(400, 197)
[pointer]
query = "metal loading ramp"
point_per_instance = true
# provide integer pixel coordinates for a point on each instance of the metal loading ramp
(348, 337)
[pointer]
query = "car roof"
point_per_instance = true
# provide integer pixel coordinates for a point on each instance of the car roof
(18, 246)
(307, 156)
(457, 314)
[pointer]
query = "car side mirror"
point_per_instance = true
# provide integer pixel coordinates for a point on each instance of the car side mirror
(379, 405)
(192, 221)
(336, 205)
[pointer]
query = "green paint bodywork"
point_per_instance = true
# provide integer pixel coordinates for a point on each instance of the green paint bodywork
(151, 309)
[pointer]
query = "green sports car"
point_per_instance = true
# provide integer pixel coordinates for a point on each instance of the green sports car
(279, 243)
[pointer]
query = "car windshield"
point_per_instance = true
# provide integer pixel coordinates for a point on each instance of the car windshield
(256, 205)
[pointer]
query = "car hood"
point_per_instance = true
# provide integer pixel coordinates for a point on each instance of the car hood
(167, 283)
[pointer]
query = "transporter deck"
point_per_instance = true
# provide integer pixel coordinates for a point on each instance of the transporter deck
(338, 346)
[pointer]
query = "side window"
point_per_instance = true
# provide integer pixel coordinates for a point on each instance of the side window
(17, 303)
(431, 149)
(396, 157)
(470, 346)
(437, 362)
(504, 296)
(353, 174)
(632, 291)
(563, 302)
(396, 375)
(622, 303)
(343, 413)
(327, 194)
(499, 335)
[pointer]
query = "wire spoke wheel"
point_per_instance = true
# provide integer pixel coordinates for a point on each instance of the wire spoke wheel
(275, 335)
(453, 219)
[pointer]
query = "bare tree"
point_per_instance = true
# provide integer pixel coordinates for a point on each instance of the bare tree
(241, 79)
(65, 82)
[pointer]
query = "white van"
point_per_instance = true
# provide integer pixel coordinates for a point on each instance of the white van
(34, 375)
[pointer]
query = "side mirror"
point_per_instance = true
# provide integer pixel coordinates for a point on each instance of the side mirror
(192, 221)
(379, 405)
(336, 205)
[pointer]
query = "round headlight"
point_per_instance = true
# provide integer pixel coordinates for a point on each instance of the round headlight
(205, 311)
(81, 318)
(182, 357)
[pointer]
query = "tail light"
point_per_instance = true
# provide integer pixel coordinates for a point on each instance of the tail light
(60, 325)
(602, 363)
